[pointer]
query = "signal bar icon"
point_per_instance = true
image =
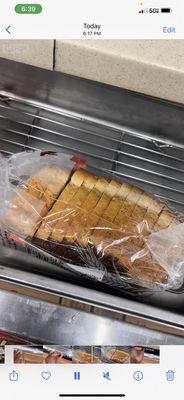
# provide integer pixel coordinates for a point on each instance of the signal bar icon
(145, 10)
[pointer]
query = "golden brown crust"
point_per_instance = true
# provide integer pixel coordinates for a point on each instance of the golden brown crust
(141, 207)
(105, 233)
(34, 199)
(110, 190)
(83, 177)
(117, 202)
(59, 230)
(112, 209)
(94, 195)
(78, 225)
(75, 224)
(73, 228)
(111, 217)
(55, 214)
(164, 220)
(72, 197)
(128, 205)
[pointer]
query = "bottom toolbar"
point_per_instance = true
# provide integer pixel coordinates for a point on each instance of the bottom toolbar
(53, 372)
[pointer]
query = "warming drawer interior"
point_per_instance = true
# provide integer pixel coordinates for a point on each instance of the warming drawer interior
(135, 138)
(152, 163)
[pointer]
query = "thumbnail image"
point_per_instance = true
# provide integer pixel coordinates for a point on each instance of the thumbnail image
(2, 354)
(7, 339)
(86, 355)
(131, 354)
(28, 355)
(117, 354)
(57, 354)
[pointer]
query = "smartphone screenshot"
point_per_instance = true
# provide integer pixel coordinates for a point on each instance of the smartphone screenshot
(91, 199)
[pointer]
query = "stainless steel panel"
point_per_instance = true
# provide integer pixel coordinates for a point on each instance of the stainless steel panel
(59, 325)
(151, 162)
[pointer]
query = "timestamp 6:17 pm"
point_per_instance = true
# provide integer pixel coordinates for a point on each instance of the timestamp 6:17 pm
(92, 33)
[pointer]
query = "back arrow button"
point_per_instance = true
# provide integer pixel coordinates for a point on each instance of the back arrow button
(8, 29)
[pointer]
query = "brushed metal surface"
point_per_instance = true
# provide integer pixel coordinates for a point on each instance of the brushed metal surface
(59, 325)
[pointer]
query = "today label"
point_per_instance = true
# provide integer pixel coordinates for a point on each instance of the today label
(92, 26)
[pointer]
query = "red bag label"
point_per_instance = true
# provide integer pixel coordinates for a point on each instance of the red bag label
(81, 163)
(17, 239)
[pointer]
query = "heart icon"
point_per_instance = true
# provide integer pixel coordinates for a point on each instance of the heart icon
(46, 375)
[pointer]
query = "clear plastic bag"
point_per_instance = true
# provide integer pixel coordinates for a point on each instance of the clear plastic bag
(98, 227)
(167, 247)
(30, 184)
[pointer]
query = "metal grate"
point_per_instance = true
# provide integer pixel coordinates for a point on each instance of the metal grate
(155, 165)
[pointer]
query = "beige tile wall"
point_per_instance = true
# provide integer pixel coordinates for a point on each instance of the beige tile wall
(153, 67)
(35, 52)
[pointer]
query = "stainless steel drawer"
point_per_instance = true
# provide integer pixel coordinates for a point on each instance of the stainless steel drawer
(131, 136)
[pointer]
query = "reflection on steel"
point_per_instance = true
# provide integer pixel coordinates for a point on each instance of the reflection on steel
(48, 323)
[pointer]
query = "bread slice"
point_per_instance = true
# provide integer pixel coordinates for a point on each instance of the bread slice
(128, 206)
(88, 220)
(23, 213)
(57, 215)
(136, 222)
(105, 233)
(82, 177)
(34, 198)
(76, 225)
(164, 220)
(151, 217)
(110, 190)
(54, 180)
(94, 195)
(79, 186)
(141, 207)
(116, 203)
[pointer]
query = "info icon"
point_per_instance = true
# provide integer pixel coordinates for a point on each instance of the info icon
(138, 376)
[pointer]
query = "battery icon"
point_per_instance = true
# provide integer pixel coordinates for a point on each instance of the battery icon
(166, 10)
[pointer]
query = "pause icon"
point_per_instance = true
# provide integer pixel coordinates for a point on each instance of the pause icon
(77, 376)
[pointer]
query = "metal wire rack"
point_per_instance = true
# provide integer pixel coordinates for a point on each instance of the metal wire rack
(153, 164)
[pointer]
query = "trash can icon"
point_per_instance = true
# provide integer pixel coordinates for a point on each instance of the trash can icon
(170, 375)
